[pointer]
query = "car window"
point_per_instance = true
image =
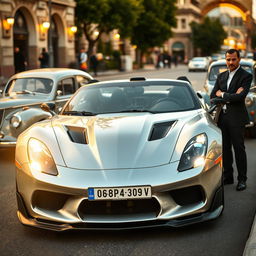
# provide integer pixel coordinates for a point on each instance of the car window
(66, 86)
(215, 70)
(153, 98)
(81, 80)
(33, 85)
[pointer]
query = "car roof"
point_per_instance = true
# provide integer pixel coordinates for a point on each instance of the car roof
(51, 73)
(243, 61)
(141, 81)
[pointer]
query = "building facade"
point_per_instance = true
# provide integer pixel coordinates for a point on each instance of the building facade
(30, 33)
(25, 24)
(194, 10)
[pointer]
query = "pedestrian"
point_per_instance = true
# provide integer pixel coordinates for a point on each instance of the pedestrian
(19, 61)
(94, 63)
(231, 87)
(83, 60)
(44, 59)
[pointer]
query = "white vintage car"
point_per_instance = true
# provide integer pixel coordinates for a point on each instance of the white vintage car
(26, 91)
(121, 154)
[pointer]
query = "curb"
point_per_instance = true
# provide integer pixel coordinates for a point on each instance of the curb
(250, 246)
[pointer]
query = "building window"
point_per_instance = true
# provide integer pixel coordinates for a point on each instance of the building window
(183, 23)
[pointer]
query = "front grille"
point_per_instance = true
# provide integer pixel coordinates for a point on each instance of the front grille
(118, 208)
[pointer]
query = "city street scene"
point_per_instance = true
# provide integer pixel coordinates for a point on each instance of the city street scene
(128, 127)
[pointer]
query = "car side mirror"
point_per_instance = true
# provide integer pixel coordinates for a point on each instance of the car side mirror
(199, 95)
(59, 92)
(48, 107)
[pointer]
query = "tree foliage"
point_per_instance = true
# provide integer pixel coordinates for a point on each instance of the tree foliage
(106, 15)
(154, 25)
(208, 35)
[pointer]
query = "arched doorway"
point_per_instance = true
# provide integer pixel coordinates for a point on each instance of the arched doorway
(20, 34)
(233, 20)
(178, 51)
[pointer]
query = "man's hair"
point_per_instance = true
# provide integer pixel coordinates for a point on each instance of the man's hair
(231, 51)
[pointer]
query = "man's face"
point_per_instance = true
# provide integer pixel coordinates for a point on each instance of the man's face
(232, 61)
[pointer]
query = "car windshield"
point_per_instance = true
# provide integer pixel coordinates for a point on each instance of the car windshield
(30, 86)
(152, 98)
(198, 59)
(215, 70)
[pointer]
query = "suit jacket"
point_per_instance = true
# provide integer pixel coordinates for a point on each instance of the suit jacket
(236, 111)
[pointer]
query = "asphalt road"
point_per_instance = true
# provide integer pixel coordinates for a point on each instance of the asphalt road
(225, 236)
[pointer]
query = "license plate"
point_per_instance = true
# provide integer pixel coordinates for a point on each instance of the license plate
(119, 193)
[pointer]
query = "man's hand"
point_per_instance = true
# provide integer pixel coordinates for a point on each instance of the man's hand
(219, 93)
(239, 90)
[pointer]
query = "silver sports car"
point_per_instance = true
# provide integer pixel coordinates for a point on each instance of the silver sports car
(121, 154)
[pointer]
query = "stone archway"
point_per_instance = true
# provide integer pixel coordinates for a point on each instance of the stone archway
(244, 8)
(24, 36)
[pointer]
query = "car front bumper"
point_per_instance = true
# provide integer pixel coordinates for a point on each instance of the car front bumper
(189, 197)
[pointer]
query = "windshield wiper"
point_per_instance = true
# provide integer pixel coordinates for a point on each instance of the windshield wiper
(79, 113)
(25, 92)
(137, 110)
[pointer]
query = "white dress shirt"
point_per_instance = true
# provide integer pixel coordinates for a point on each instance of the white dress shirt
(230, 77)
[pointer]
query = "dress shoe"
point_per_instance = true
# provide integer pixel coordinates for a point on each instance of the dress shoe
(241, 186)
(228, 181)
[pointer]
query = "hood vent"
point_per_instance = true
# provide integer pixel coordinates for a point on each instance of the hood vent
(160, 130)
(77, 134)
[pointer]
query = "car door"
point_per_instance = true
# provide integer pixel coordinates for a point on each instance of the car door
(65, 89)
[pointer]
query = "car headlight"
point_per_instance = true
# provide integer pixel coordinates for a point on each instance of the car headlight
(15, 121)
(40, 157)
(194, 153)
(248, 101)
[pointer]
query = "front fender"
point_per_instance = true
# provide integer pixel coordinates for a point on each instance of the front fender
(26, 117)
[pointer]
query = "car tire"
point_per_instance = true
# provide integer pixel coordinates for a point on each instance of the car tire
(252, 132)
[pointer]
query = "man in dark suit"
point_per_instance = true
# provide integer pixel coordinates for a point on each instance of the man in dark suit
(231, 88)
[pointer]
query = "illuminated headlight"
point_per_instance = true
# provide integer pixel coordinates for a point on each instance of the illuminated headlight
(248, 101)
(194, 153)
(15, 121)
(40, 158)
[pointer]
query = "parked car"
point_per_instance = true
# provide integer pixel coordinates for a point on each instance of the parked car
(220, 66)
(198, 64)
(120, 155)
(26, 91)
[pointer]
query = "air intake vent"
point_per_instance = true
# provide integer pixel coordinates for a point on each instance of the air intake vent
(160, 130)
(77, 134)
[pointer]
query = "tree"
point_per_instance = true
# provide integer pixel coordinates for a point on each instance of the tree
(95, 17)
(154, 25)
(208, 35)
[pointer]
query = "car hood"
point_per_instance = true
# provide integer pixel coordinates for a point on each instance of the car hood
(118, 141)
(8, 102)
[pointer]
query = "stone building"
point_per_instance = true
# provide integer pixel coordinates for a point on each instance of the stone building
(194, 10)
(30, 32)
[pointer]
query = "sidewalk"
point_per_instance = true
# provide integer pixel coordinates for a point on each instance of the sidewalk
(250, 247)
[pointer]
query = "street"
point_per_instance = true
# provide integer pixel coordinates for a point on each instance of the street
(222, 237)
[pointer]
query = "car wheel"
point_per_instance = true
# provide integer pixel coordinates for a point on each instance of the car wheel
(252, 132)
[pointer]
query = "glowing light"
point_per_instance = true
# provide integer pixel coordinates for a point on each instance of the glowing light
(46, 24)
(117, 36)
(199, 161)
(201, 138)
(10, 20)
(35, 166)
(73, 29)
